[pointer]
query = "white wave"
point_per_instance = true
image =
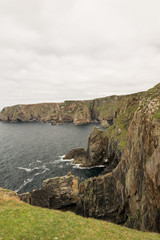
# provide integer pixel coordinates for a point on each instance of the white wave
(32, 169)
(60, 159)
(55, 161)
(44, 167)
(67, 160)
(25, 169)
(78, 166)
(60, 166)
(24, 184)
(41, 167)
(38, 161)
(40, 172)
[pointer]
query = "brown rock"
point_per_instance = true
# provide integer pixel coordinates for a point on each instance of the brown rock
(82, 116)
(77, 154)
(55, 193)
(96, 151)
(53, 122)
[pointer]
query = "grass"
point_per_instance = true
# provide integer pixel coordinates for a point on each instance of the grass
(157, 115)
(19, 220)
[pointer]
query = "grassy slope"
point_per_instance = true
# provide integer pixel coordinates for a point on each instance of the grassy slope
(22, 221)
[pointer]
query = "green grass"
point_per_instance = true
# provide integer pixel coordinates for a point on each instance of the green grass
(153, 92)
(22, 221)
(157, 114)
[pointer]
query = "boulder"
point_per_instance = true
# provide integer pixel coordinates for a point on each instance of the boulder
(77, 154)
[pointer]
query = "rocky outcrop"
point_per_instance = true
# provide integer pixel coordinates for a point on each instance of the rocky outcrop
(78, 155)
(96, 151)
(130, 193)
(55, 193)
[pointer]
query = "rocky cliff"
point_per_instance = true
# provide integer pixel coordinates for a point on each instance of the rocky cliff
(78, 112)
(106, 147)
(130, 192)
(58, 192)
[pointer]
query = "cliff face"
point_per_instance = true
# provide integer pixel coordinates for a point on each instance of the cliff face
(78, 112)
(106, 147)
(55, 193)
(130, 193)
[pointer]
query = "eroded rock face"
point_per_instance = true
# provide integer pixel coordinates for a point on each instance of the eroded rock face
(82, 116)
(101, 150)
(130, 194)
(96, 151)
(55, 193)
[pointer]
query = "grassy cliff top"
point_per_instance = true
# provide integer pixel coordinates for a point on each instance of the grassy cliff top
(19, 220)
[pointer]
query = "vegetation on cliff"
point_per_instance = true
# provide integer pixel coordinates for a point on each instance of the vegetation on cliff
(19, 220)
(124, 114)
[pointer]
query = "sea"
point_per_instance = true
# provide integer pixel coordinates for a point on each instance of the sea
(33, 152)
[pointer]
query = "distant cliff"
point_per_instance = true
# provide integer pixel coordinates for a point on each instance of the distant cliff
(78, 112)
(129, 191)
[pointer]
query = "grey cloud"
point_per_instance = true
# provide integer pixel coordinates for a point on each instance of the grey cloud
(77, 49)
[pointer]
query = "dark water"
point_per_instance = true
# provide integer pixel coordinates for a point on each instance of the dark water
(32, 152)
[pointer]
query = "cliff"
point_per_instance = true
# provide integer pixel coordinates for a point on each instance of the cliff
(130, 192)
(78, 112)
(106, 147)
(58, 192)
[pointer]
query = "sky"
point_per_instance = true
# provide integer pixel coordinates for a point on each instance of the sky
(56, 50)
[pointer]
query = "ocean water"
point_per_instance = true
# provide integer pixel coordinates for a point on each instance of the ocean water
(33, 152)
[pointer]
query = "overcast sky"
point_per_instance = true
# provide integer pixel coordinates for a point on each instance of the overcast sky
(53, 50)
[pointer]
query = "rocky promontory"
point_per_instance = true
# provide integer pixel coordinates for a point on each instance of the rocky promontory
(58, 192)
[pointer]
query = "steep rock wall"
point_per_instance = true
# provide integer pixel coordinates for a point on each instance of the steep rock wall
(106, 147)
(130, 194)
